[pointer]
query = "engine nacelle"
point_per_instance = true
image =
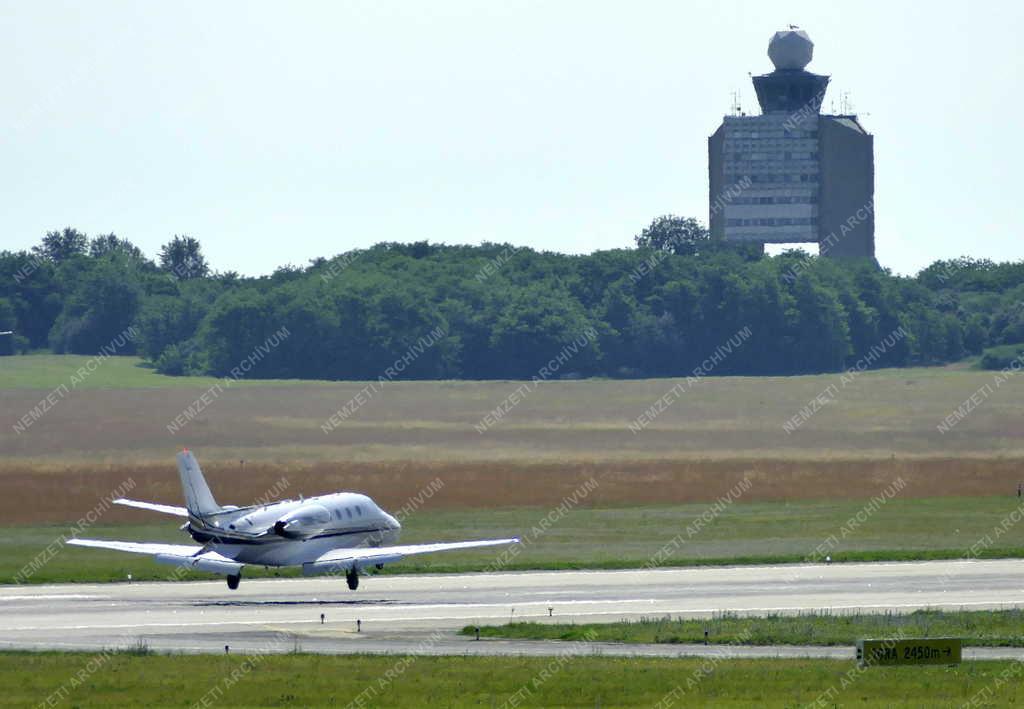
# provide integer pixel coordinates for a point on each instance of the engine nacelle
(303, 522)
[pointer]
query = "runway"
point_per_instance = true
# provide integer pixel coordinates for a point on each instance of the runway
(421, 614)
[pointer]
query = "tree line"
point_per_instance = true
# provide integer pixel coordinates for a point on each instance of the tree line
(656, 310)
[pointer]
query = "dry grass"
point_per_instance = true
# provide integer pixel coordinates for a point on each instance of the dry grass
(61, 493)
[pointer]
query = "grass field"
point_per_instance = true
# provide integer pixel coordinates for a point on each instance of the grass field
(46, 371)
(976, 628)
(121, 413)
(586, 537)
(363, 681)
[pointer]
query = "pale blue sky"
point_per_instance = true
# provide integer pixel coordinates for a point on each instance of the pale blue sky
(277, 132)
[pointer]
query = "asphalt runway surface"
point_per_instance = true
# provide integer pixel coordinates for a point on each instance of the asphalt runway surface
(421, 614)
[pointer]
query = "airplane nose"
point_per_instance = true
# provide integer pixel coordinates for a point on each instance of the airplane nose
(391, 521)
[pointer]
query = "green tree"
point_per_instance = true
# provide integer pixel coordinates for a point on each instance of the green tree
(534, 327)
(683, 236)
(183, 258)
(7, 325)
(167, 320)
(59, 246)
(109, 245)
(821, 329)
(99, 312)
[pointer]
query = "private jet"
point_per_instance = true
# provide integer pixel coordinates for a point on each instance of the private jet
(344, 532)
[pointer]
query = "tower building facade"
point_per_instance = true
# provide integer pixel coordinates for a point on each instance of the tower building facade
(792, 174)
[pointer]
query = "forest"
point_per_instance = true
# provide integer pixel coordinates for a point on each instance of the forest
(497, 311)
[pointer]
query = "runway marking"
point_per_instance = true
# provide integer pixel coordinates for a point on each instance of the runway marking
(52, 597)
(387, 619)
(981, 566)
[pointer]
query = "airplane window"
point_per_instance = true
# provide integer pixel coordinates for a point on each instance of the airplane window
(359, 510)
(349, 512)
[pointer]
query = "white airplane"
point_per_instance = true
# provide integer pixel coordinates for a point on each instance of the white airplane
(340, 533)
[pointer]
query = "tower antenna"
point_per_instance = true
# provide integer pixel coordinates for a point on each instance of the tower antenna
(736, 109)
(845, 106)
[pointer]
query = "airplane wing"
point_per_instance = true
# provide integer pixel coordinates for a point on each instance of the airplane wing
(341, 559)
(166, 509)
(186, 555)
(139, 547)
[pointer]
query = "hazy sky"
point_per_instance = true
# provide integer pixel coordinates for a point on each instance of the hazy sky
(278, 132)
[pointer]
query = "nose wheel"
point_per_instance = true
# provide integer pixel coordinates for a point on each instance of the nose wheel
(233, 581)
(352, 576)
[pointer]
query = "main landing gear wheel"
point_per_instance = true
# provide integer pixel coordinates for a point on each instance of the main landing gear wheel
(233, 581)
(353, 579)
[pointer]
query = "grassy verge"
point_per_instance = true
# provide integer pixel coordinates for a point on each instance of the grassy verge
(317, 680)
(977, 628)
(46, 371)
(601, 538)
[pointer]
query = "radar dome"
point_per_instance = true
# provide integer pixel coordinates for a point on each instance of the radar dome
(790, 49)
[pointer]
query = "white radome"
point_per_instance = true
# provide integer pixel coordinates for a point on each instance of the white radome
(790, 49)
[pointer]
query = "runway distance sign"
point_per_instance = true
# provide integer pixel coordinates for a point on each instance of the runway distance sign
(910, 651)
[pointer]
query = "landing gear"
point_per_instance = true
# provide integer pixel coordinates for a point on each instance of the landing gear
(352, 576)
(233, 581)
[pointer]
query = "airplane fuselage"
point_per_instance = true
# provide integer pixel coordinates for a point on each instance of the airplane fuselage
(267, 534)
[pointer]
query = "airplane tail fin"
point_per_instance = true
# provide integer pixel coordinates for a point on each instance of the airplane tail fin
(198, 498)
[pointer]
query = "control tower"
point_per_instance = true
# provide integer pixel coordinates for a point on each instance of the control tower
(792, 174)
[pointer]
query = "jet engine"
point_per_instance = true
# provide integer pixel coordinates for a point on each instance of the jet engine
(303, 522)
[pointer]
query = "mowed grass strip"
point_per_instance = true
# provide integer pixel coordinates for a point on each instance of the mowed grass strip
(595, 538)
(46, 371)
(1004, 628)
(127, 679)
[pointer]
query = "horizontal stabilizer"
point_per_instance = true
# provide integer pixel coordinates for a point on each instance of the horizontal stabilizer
(152, 506)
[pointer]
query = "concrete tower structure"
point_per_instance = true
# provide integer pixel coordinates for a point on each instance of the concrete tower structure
(793, 175)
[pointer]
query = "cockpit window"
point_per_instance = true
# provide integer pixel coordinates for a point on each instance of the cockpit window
(349, 510)
(359, 510)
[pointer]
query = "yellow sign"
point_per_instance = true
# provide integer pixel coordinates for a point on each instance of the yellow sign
(910, 651)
